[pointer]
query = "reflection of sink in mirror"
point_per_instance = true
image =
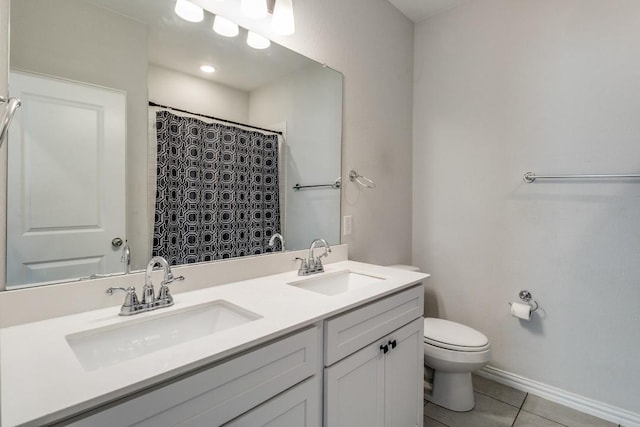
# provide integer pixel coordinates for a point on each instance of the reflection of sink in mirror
(107, 346)
(337, 283)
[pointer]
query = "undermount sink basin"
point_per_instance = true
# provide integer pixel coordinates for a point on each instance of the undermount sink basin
(107, 346)
(337, 282)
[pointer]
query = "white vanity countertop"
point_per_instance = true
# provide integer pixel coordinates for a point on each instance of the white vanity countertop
(43, 381)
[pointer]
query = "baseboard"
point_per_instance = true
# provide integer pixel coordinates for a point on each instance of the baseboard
(571, 400)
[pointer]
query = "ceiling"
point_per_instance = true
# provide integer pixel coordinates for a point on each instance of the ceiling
(183, 46)
(419, 10)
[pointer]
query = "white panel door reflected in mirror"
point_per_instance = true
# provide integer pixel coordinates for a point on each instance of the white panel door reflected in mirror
(66, 169)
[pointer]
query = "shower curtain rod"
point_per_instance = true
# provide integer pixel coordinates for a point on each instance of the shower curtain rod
(153, 104)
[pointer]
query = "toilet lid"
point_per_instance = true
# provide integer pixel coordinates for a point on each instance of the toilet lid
(454, 336)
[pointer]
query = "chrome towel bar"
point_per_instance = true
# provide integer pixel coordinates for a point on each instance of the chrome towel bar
(10, 109)
(336, 184)
(530, 177)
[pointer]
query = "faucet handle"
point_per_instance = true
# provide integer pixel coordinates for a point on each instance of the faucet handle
(317, 265)
(131, 303)
(304, 266)
(164, 296)
(171, 278)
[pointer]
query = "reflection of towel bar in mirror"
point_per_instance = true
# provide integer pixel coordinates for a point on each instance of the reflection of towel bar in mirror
(336, 185)
(12, 106)
(361, 179)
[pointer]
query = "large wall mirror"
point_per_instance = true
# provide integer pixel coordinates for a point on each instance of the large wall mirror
(93, 145)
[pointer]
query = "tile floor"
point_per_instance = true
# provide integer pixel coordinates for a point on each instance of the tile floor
(498, 405)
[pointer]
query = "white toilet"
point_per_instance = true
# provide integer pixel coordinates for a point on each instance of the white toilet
(453, 351)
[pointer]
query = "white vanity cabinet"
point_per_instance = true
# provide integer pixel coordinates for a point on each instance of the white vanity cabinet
(380, 382)
(221, 393)
(299, 406)
(362, 367)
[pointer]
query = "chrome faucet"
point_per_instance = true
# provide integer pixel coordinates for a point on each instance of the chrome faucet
(149, 301)
(164, 297)
(126, 258)
(313, 264)
(272, 241)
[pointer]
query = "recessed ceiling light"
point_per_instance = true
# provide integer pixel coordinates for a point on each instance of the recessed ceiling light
(257, 41)
(189, 11)
(224, 27)
(207, 69)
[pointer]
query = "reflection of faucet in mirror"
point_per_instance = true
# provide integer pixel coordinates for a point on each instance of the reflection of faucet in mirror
(313, 264)
(272, 241)
(126, 258)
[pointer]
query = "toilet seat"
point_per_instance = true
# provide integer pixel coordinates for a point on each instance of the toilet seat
(453, 336)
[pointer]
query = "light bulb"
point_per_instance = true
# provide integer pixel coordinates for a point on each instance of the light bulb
(224, 27)
(207, 69)
(283, 22)
(257, 41)
(189, 11)
(254, 9)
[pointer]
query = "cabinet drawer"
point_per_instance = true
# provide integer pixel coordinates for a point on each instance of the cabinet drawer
(351, 331)
(222, 392)
(298, 406)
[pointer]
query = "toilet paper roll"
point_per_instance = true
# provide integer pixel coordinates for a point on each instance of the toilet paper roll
(521, 310)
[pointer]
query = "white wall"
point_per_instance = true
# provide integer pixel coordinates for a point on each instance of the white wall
(504, 87)
(4, 77)
(309, 101)
(187, 92)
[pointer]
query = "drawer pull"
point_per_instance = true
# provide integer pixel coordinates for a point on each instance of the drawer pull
(393, 344)
(384, 348)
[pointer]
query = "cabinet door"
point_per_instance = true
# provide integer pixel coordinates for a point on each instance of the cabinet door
(404, 376)
(354, 390)
(299, 406)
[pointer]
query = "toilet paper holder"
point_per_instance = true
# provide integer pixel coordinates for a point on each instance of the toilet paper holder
(526, 297)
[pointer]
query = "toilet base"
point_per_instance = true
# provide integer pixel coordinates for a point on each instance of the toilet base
(453, 390)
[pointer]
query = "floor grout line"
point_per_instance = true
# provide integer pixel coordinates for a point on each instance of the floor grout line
(519, 410)
(501, 401)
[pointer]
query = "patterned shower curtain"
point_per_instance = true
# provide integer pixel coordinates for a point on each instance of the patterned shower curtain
(217, 190)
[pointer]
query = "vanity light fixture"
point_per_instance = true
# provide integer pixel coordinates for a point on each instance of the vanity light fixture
(189, 11)
(207, 69)
(283, 22)
(254, 9)
(225, 27)
(257, 41)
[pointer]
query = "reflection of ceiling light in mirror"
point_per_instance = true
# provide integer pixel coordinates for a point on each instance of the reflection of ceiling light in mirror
(189, 11)
(224, 27)
(207, 68)
(283, 23)
(256, 41)
(254, 9)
